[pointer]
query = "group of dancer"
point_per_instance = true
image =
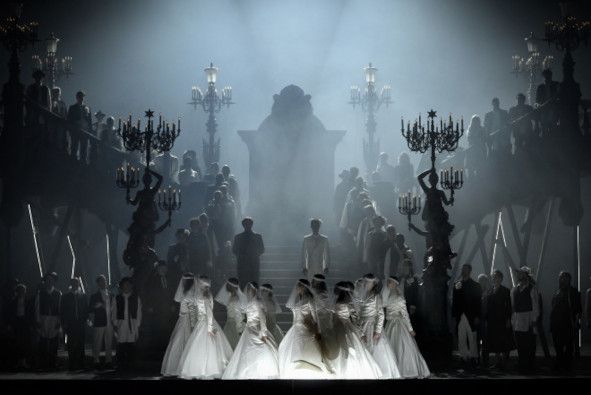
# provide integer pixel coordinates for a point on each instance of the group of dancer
(358, 331)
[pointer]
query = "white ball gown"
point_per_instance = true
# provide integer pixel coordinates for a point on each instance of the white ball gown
(300, 355)
(371, 320)
(354, 361)
(271, 311)
(179, 336)
(205, 356)
(234, 322)
(254, 358)
(397, 330)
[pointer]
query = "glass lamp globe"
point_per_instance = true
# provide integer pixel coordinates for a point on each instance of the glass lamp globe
(212, 74)
(370, 74)
(52, 44)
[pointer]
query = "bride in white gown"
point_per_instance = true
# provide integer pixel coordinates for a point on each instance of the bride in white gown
(272, 308)
(232, 297)
(255, 356)
(371, 324)
(207, 351)
(354, 361)
(300, 355)
(400, 334)
(185, 296)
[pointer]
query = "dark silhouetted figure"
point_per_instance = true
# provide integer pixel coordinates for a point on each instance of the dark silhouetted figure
(20, 320)
(496, 124)
(565, 319)
(546, 95)
(485, 286)
(521, 117)
(376, 246)
(248, 247)
(160, 307)
(499, 335)
(200, 254)
(177, 257)
(466, 310)
(74, 315)
(233, 189)
(47, 314)
(79, 114)
(38, 96)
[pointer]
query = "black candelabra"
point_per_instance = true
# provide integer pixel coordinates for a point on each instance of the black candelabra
(211, 102)
(409, 205)
(452, 180)
(159, 139)
(169, 200)
(431, 136)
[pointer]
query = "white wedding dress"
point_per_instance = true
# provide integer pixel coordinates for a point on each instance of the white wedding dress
(234, 322)
(179, 337)
(300, 355)
(205, 356)
(354, 361)
(371, 320)
(397, 330)
(271, 310)
(253, 357)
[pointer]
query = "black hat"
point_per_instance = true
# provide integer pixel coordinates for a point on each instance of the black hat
(80, 93)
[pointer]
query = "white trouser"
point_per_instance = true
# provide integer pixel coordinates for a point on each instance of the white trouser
(467, 339)
(102, 333)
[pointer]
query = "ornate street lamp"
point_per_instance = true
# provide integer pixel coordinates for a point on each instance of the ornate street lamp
(53, 66)
(531, 65)
(370, 102)
(211, 102)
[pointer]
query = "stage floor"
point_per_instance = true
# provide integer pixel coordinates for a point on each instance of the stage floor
(148, 370)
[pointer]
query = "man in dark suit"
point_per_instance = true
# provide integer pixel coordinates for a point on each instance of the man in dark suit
(177, 257)
(100, 314)
(248, 247)
(466, 309)
(546, 94)
(74, 314)
(20, 320)
(79, 114)
(496, 124)
(160, 306)
(565, 321)
(38, 96)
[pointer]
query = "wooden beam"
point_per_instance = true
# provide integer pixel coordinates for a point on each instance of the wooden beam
(545, 239)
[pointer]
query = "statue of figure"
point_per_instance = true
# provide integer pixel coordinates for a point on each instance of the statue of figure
(522, 116)
(435, 216)
(147, 212)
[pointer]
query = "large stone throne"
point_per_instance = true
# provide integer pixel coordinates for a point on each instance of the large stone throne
(291, 167)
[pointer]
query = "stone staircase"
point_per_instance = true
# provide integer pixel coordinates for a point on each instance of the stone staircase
(281, 267)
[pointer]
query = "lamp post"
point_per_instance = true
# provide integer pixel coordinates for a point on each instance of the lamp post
(531, 65)
(211, 102)
(51, 64)
(370, 102)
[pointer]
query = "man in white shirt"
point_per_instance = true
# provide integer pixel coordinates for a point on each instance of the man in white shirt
(100, 316)
(126, 317)
(315, 251)
(524, 298)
